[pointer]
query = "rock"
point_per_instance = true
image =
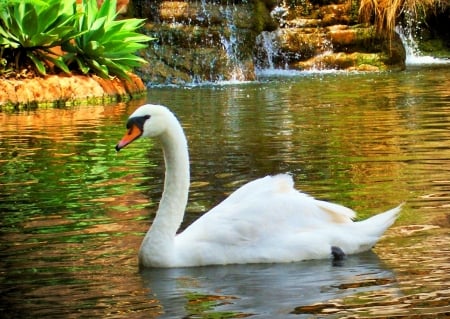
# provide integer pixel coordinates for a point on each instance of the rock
(222, 40)
(46, 89)
(343, 46)
(57, 89)
(202, 40)
(343, 61)
(342, 37)
(303, 23)
(301, 43)
(7, 91)
(335, 14)
(176, 11)
(25, 90)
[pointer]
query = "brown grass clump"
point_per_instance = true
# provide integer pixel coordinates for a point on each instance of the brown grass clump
(384, 14)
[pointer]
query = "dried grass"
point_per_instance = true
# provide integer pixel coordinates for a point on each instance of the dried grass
(384, 14)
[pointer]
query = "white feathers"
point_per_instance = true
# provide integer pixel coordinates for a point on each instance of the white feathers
(266, 220)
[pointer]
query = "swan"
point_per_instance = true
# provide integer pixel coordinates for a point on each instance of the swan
(264, 221)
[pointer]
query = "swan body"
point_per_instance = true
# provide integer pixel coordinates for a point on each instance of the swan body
(266, 220)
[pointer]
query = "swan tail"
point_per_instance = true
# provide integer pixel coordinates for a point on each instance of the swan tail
(366, 233)
(375, 226)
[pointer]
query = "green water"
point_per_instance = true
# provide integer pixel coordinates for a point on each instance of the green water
(73, 212)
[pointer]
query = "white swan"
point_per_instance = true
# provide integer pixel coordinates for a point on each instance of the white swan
(266, 220)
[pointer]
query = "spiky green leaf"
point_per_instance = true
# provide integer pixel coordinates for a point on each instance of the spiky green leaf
(40, 67)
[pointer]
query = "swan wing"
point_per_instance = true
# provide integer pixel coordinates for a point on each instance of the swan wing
(274, 197)
(283, 184)
(266, 217)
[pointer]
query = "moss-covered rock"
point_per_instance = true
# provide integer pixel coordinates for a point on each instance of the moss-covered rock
(204, 41)
(329, 36)
(222, 40)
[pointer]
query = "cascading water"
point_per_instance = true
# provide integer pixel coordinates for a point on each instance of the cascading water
(407, 34)
(204, 41)
(269, 59)
(230, 44)
(413, 54)
(268, 56)
(268, 50)
(199, 42)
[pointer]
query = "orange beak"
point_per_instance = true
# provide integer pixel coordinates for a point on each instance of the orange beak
(133, 133)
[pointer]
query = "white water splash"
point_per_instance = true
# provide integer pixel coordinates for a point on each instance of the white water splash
(413, 54)
(231, 46)
(269, 46)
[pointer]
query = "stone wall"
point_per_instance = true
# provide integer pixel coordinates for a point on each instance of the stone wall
(203, 40)
(329, 36)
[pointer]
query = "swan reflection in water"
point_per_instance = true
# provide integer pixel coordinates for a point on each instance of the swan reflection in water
(263, 290)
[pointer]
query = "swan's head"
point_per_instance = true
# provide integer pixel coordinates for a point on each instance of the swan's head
(147, 121)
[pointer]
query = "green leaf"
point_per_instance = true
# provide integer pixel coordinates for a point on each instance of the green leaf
(15, 27)
(82, 66)
(108, 10)
(69, 47)
(90, 9)
(41, 40)
(96, 31)
(30, 22)
(36, 25)
(47, 18)
(101, 69)
(98, 24)
(8, 39)
(60, 63)
(19, 14)
(94, 49)
(38, 63)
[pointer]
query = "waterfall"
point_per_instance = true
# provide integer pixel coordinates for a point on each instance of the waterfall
(206, 41)
(271, 60)
(268, 50)
(413, 54)
(199, 42)
(231, 44)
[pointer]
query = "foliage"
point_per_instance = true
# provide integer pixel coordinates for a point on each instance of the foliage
(33, 31)
(4, 3)
(105, 45)
(29, 29)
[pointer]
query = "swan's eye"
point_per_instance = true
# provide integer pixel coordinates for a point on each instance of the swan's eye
(137, 121)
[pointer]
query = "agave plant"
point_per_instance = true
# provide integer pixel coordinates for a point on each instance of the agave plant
(30, 29)
(105, 45)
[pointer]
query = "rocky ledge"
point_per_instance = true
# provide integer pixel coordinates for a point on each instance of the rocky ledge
(65, 90)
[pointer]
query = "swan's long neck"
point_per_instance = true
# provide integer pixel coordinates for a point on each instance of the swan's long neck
(158, 245)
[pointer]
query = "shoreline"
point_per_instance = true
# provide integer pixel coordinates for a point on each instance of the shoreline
(63, 90)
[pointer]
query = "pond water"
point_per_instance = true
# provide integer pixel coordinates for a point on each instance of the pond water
(73, 212)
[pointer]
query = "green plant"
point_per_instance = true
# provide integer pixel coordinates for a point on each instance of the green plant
(4, 3)
(30, 29)
(105, 45)
(91, 38)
